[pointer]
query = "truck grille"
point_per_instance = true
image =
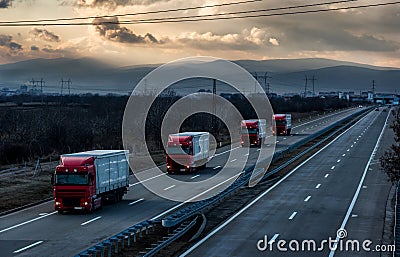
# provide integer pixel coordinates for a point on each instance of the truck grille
(70, 193)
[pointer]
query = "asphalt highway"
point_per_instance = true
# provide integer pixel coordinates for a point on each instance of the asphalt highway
(40, 231)
(338, 194)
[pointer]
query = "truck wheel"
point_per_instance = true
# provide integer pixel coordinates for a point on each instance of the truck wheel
(60, 212)
(289, 131)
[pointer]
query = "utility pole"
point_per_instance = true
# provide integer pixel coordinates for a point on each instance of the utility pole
(305, 87)
(373, 87)
(214, 106)
(62, 86)
(265, 76)
(69, 88)
(42, 82)
(313, 88)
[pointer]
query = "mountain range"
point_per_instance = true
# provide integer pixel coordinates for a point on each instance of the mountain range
(287, 75)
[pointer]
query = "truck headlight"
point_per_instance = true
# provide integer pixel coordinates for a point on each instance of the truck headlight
(58, 203)
(85, 203)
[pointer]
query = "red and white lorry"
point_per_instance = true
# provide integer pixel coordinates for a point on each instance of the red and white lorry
(253, 132)
(83, 180)
(187, 151)
(282, 124)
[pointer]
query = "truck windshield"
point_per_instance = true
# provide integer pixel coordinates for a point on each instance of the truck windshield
(71, 179)
(178, 150)
(249, 131)
(280, 122)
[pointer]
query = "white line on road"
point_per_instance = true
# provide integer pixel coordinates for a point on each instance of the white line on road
(165, 189)
(216, 230)
(140, 182)
(293, 214)
(338, 160)
(217, 167)
(227, 151)
(364, 187)
(354, 215)
(89, 221)
(139, 200)
(326, 175)
(26, 222)
(246, 154)
(196, 176)
(44, 213)
(333, 167)
(318, 186)
(273, 239)
(348, 150)
(234, 160)
(352, 146)
(27, 247)
(308, 198)
(353, 201)
(344, 155)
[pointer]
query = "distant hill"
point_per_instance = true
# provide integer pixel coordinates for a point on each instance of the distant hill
(90, 75)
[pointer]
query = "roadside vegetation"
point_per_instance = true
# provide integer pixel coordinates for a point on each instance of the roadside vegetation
(390, 161)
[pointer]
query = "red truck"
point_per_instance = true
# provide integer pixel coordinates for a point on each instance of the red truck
(84, 180)
(282, 124)
(187, 151)
(253, 132)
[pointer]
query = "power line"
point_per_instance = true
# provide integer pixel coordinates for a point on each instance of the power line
(199, 17)
(137, 13)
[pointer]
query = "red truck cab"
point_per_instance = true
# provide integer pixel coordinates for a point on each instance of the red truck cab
(75, 184)
(282, 124)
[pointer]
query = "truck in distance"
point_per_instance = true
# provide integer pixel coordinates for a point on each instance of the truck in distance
(253, 132)
(187, 151)
(84, 180)
(282, 124)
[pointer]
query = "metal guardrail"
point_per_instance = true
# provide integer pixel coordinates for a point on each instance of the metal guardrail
(115, 241)
(183, 215)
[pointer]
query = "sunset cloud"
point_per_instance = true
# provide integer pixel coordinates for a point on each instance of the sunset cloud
(45, 35)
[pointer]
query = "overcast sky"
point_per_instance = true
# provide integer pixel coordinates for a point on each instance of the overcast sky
(369, 35)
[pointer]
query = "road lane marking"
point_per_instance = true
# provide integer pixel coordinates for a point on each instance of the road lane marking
(326, 175)
(293, 215)
(140, 182)
(338, 160)
(217, 167)
(233, 217)
(234, 160)
(348, 150)
(344, 155)
(27, 247)
(196, 176)
(139, 200)
(167, 188)
(318, 186)
(354, 215)
(355, 197)
(227, 151)
(248, 154)
(364, 187)
(26, 222)
(308, 198)
(89, 221)
(351, 145)
(44, 213)
(273, 239)
(333, 167)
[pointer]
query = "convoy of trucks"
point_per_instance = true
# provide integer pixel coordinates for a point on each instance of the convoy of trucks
(282, 124)
(187, 151)
(253, 132)
(84, 180)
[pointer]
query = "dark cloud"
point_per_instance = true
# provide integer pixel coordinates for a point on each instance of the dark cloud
(45, 35)
(5, 3)
(6, 41)
(111, 30)
(34, 48)
(112, 4)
